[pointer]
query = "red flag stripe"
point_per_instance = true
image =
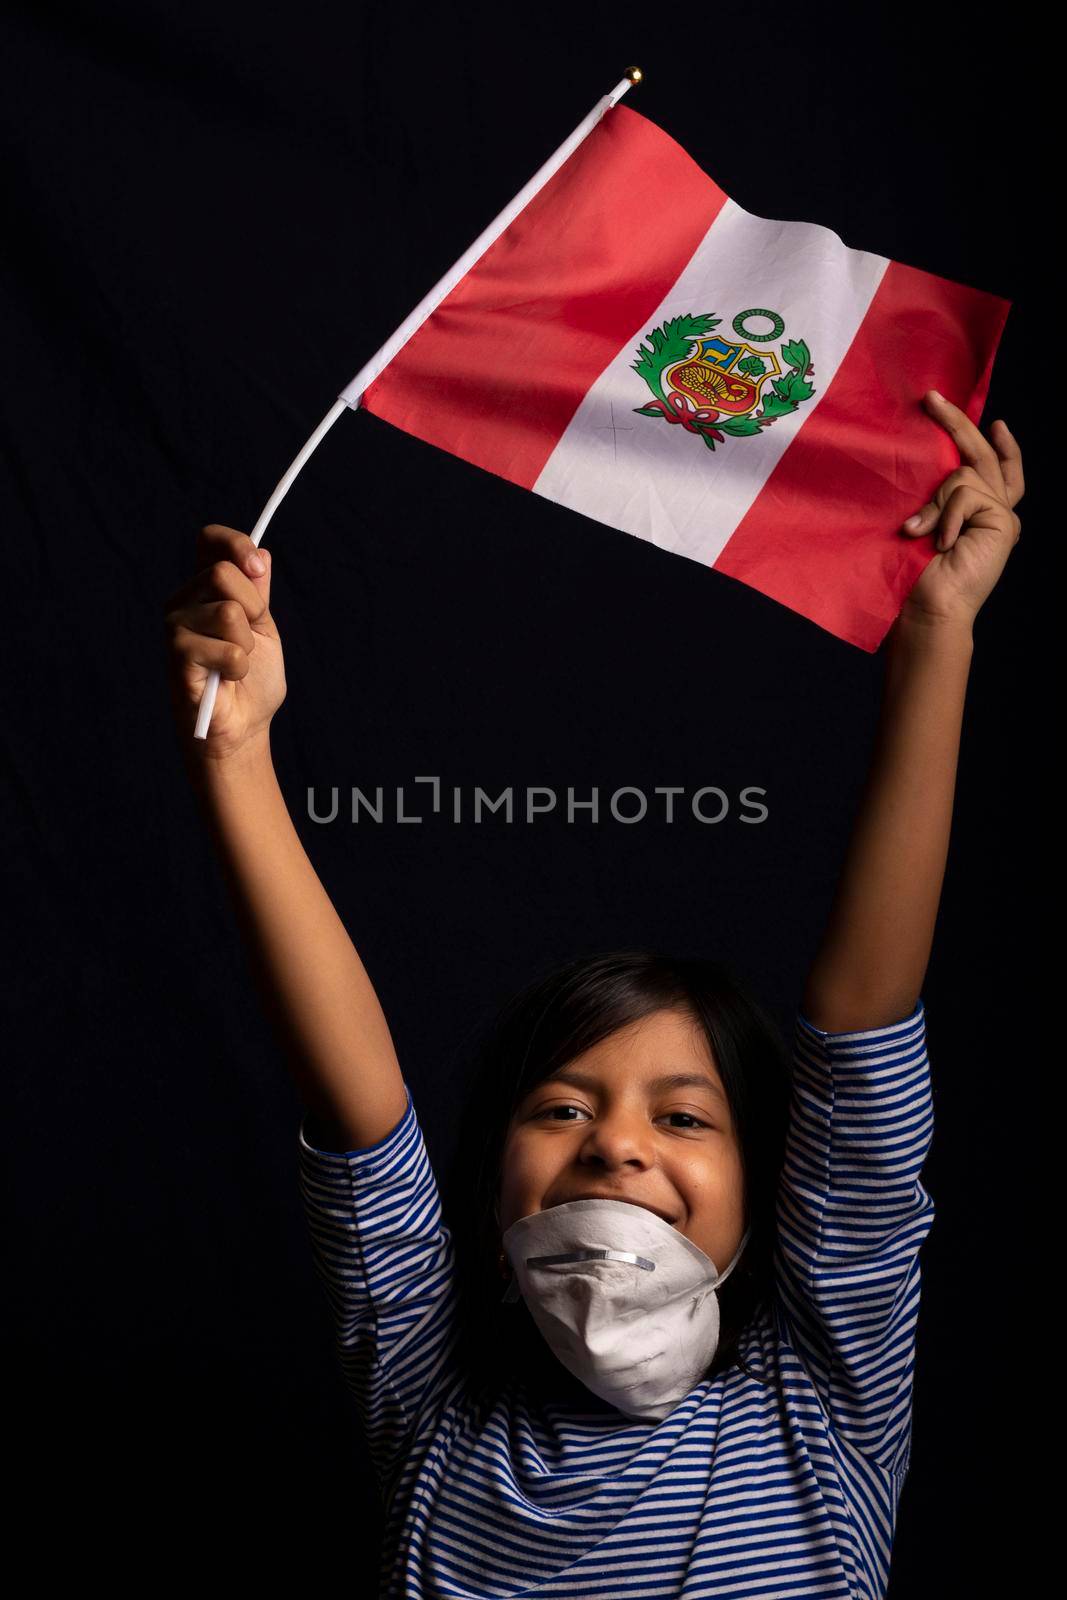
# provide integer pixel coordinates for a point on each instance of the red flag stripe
(498, 370)
(806, 540)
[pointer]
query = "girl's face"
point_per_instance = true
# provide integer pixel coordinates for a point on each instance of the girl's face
(613, 1125)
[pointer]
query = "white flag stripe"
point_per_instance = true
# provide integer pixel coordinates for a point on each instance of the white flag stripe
(657, 480)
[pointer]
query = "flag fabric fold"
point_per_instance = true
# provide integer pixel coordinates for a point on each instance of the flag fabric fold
(743, 392)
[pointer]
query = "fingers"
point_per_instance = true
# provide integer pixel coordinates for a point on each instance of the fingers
(213, 620)
(216, 542)
(1011, 460)
(996, 468)
(972, 507)
(928, 516)
(220, 619)
(222, 581)
(228, 659)
(975, 451)
(224, 557)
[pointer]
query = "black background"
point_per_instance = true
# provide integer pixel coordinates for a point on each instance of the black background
(215, 216)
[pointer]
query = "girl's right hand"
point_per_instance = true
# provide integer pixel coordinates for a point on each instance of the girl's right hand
(221, 619)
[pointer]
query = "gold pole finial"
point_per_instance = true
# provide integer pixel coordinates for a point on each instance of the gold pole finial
(634, 74)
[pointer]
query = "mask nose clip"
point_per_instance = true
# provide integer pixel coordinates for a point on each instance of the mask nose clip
(511, 1294)
(593, 1255)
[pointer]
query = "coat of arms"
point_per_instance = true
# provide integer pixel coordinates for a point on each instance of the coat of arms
(713, 385)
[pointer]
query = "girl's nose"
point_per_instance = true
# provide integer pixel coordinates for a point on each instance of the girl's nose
(616, 1141)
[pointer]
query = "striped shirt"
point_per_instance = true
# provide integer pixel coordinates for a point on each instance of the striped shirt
(733, 1495)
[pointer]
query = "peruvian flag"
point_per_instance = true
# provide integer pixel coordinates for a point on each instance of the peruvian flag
(740, 391)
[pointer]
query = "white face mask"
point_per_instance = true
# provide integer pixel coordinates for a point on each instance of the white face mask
(625, 1301)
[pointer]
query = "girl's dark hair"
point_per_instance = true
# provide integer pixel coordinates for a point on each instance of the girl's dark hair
(547, 1025)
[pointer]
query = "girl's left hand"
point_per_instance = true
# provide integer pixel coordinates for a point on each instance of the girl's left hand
(971, 518)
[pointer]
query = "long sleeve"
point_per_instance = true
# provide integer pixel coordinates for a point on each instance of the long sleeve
(387, 1264)
(852, 1216)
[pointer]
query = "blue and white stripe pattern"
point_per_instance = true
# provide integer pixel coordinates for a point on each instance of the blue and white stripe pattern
(733, 1496)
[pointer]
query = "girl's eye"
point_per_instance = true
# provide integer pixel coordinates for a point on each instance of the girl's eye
(549, 1112)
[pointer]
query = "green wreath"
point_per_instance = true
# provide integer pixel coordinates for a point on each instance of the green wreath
(673, 342)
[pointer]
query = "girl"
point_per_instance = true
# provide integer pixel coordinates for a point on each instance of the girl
(665, 1345)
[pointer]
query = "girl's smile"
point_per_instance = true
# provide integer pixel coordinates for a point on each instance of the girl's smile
(632, 1200)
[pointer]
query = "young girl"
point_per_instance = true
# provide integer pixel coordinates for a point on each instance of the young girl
(665, 1345)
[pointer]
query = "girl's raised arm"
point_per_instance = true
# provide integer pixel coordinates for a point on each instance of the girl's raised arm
(313, 982)
(871, 964)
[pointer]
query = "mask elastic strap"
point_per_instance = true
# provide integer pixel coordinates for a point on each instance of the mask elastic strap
(721, 1279)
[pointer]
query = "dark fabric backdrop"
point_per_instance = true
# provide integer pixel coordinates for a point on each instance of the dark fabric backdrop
(215, 215)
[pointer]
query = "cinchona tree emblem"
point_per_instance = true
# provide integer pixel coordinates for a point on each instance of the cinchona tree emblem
(714, 386)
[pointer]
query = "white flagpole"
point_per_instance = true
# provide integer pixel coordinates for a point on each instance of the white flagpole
(351, 396)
